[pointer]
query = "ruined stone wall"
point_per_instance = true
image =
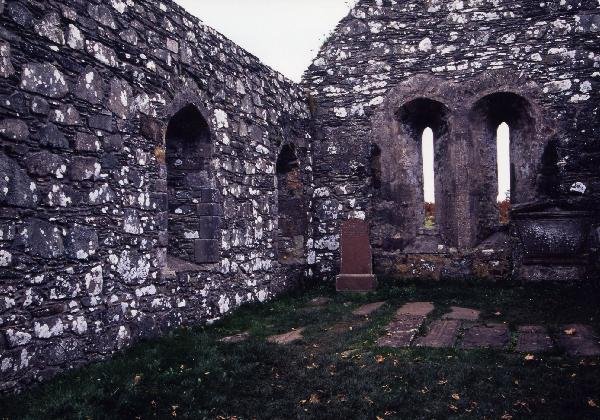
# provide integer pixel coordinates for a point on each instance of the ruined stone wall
(386, 59)
(87, 90)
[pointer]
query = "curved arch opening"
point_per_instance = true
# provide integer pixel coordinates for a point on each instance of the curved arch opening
(193, 216)
(292, 214)
(423, 134)
(504, 126)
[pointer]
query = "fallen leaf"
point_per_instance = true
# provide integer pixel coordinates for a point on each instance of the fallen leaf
(530, 357)
(455, 397)
(137, 379)
(379, 358)
(570, 331)
(497, 313)
(453, 407)
(442, 382)
(314, 399)
(592, 403)
(506, 416)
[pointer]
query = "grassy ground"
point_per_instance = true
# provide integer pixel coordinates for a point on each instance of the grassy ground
(336, 371)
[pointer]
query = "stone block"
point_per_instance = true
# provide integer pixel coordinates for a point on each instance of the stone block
(85, 142)
(51, 136)
(206, 251)
(441, 334)
(66, 115)
(45, 163)
(16, 188)
(41, 239)
(90, 87)
(533, 339)
(81, 242)
(486, 336)
(6, 67)
(14, 129)
(208, 227)
(101, 122)
(84, 168)
(120, 97)
(44, 79)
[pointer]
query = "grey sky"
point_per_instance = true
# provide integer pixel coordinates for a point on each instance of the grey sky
(284, 34)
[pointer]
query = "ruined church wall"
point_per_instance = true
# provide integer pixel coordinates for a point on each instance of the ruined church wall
(386, 53)
(86, 92)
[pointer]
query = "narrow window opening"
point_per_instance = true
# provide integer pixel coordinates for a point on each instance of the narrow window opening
(292, 210)
(428, 177)
(193, 220)
(504, 178)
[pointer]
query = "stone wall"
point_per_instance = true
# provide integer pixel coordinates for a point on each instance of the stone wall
(108, 231)
(393, 68)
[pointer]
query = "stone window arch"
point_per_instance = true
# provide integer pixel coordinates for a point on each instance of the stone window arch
(193, 210)
(486, 117)
(404, 168)
(292, 212)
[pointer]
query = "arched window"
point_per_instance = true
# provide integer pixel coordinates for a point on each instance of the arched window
(193, 213)
(292, 212)
(417, 170)
(508, 154)
(503, 162)
(427, 154)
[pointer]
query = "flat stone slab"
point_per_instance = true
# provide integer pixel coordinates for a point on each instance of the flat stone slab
(287, 338)
(237, 338)
(486, 336)
(416, 308)
(442, 333)
(463, 314)
(533, 339)
(319, 301)
(368, 309)
(578, 340)
(401, 331)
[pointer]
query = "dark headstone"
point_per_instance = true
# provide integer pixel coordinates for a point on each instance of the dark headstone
(357, 272)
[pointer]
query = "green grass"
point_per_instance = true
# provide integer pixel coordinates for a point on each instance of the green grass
(337, 373)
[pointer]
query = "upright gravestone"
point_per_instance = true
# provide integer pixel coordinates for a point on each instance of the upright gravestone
(357, 269)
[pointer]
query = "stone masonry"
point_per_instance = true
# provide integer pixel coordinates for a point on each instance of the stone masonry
(462, 67)
(153, 174)
(95, 203)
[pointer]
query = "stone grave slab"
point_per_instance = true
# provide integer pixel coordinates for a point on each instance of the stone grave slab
(486, 336)
(319, 301)
(401, 331)
(442, 333)
(356, 266)
(368, 309)
(416, 308)
(287, 338)
(236, 338)
(533, 339)
(578, 340)
(463, 314)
